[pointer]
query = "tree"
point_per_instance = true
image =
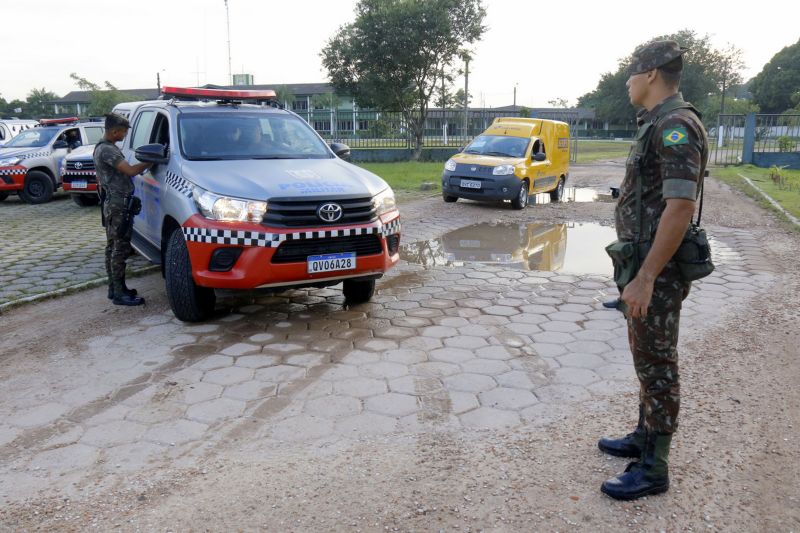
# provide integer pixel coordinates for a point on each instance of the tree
(705, 70)
(101, 101)
(325, 101)
(395, 53)
(733, 106)
(778, 81)
(458, 99)
(559, 103)
(285, 95)
(37, 102)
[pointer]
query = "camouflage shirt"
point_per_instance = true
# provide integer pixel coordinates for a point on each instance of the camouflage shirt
(106, 158)
(670, 166)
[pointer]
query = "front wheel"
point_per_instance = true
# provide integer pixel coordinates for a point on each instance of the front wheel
(358, 291)
(85, 200)
(189, 301)
(521, 201)
(557, 193)
(38, 188)
(449, 199)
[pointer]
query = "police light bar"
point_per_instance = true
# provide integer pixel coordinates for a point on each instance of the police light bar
(52, 121)
(218, 94)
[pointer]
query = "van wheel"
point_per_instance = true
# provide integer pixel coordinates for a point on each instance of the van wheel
(449, 199)
(557, 193)
(3, 195)
(38, 188)
(189, 301)
(358, 291)
(521, 201)
(85, 200)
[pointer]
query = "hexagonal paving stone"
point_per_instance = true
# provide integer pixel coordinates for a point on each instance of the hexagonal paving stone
(562, 327)
(214, 361)
(452, 355)
(360, 387)
(616, 371)
(507, 398)
(501, 310)
(257, 361)
(175, 432)
(333, 372)
(383, 369)
(487, 417)
(421, 343)
(581, 360)
(151, 413)
(500, 353)
(405, 356)
(461, 402)
(395, 332)
(68, 458)
(241, 349)
(595, 347)
(250, 390)
(228, 376)
(439, 332)
(560, 393)
(469, 382)
(466, 341)
(548, 350)
(517, 379)
(357, 357)
(575, 376)
(38, 416)
(391, 404)
(280, 373)
(552, 337)
(333, 406)
(113, 433)
(214, 410)
(283, 348)
(489, 367)
(301, 428)
(307, 360)
(435, 369)
(199, 392)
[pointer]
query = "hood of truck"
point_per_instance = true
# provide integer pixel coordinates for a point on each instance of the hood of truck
(84, 153)
(486, 160)
(22, 152)
(283, 178)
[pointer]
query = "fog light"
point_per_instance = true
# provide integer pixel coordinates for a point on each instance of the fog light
(223, 259)
(393, 243)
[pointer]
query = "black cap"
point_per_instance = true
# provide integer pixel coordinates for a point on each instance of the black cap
(653, 55)
(116, 121)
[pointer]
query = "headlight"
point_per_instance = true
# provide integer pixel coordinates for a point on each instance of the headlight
(9, 161)
(503, 170)
(450, 165)
(384, 202)
(219, 207)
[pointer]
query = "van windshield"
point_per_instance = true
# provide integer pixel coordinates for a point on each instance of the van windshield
(214, 136)
(33, 138)
(498, 145)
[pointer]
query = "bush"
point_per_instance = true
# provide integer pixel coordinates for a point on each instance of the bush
(786, 144)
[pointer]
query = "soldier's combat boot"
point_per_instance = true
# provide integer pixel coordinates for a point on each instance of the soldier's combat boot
(628, 446)
(122, 297)
(649, 475)
(125, 290)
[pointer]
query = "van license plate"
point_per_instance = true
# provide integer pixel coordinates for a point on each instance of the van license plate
(470, 184)
(79, 184)
(331, 262)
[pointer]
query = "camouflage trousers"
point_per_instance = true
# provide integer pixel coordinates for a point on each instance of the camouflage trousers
(654, 344)
(118, 241)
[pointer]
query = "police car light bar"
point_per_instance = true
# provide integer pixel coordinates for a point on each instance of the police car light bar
(52, 121)
(218, 94)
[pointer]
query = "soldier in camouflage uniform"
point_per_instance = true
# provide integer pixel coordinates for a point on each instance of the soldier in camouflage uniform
(114, 180)
(657, 199)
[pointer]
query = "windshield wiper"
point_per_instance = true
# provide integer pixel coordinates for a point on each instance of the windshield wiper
(500, 154)
(471, 152)
(206, 158)
(275, 157)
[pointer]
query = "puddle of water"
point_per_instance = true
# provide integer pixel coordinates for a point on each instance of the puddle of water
(574, 194)
(569, 248)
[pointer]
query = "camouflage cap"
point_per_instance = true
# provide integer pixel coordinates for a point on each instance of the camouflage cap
(653, 55)
(116, 121)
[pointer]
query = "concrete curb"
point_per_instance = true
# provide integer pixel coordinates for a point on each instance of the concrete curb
(793, 219)
(71, 289)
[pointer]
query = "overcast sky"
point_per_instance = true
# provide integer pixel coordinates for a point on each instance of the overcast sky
(548, 49)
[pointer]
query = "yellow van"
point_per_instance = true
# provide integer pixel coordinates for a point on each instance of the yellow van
(512, 159)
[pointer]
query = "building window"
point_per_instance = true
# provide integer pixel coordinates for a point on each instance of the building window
(344, 125)
(322, 125)
(300, 105)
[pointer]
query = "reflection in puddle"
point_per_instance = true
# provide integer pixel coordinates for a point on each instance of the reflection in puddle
(573, 194)
(534, 246)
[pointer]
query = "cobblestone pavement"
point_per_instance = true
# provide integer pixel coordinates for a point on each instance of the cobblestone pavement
(471, 346)
(50, 246)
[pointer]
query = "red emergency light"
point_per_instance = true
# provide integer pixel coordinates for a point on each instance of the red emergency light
(53, 121)
(218, 94)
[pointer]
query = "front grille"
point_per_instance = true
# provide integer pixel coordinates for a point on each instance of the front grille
(294, 213)
(85, 165)
(298, 251)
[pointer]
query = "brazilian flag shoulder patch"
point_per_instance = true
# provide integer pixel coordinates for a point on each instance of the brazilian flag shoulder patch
(675, 136)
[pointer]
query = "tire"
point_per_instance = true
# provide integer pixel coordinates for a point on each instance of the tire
(521, 201)
(557, 193)
(358, 291)
(85, 200)
(3, 195)
(189, 301)
(449, 199)
(38, 188)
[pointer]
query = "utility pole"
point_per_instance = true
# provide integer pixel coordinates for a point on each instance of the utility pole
(466, 97)
(228, 19)
(158, 81)
(515, 97)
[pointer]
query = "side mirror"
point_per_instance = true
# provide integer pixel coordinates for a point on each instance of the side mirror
(462, 148)
(153, 153)
(539, 156)
(58, 145)
(341, 150)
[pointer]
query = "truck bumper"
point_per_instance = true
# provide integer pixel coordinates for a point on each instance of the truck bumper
(77, 177)
(12, 178)
(277, 257)
(492, 188)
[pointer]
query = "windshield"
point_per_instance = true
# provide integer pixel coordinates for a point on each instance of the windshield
(498, 145)
(32, 138)
(213, 136)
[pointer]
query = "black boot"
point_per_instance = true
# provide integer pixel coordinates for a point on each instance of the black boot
(122, 296)
(649, 475)
(125, 290)
(628, 446)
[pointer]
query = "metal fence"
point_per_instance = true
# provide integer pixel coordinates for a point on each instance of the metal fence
(777, 133)
(726, 140)
(770, 134)
(452, 128)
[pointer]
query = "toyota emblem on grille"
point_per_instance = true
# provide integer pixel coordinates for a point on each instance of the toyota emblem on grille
(473, 169)
(78, 165)
(329, 212)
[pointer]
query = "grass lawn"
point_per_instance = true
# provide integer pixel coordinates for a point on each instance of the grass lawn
(788, 197)
(407, 175)
(589, 151)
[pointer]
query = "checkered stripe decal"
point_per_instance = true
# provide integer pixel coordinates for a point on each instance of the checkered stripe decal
(12, 171)
(35, 154)
(179, 184)
(273, 240)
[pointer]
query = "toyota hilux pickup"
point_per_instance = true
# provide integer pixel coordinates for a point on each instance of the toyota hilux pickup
(246, 195)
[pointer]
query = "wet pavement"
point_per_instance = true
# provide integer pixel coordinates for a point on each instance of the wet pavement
(452, 340)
